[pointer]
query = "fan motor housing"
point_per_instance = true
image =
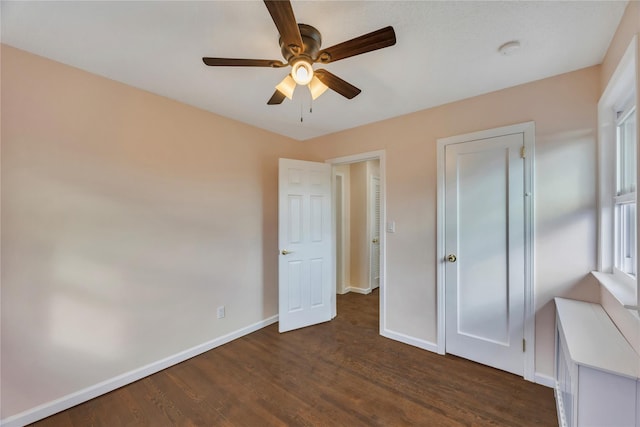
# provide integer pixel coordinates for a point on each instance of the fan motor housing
(311, 41)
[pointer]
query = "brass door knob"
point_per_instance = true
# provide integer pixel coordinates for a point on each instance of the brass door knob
(451, 258)
(286, 252)
(375, 241)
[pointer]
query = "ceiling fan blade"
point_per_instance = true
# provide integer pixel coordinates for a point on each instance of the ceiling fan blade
(282, 14)
(231, 62)
(276, 98)
(337, 84)
(375, 40)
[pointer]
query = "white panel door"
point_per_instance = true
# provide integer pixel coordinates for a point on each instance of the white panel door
(484, 243)
(374, 221)
(305, 239)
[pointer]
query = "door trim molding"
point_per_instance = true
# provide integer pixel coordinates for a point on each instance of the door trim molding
(528, 131)
(371, 220)
(361, 157)
(343, 286)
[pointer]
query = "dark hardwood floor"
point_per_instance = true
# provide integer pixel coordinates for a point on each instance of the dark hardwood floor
(341, 373)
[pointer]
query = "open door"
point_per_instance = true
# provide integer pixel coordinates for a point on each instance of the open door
(305, 237)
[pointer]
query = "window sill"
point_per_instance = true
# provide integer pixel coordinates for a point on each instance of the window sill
(622, 291)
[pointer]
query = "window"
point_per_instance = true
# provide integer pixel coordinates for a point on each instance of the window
(625, 195)
(617, 181)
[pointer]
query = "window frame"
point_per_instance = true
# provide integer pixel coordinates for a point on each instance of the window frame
(621, 94)
(623, 197)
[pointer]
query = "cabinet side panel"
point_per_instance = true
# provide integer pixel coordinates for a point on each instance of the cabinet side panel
(606, 399)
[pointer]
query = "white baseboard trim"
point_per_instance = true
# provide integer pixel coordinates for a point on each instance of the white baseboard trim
(363, 291)
(541, 379)
(47, 409)
(416, 342)
(544, 380)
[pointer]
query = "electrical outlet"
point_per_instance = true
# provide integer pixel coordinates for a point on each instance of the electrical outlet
(221, 312)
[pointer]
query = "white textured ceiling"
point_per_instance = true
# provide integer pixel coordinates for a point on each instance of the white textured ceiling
(445, 51)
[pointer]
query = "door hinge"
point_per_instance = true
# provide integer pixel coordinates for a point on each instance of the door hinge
(523, 152)
(524, 345)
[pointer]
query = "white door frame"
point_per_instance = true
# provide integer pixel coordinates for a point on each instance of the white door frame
(343, 215)
(371, 214)
(363, 157)
(528, 131)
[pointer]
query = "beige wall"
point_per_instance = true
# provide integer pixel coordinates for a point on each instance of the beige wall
(360, 175)
(127, 218)
(564, 110)
(358, 225)
(629, 26)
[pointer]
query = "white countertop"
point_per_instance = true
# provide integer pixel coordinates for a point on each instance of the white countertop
(593, 340)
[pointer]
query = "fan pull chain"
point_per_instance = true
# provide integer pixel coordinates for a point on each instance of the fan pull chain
(302, 109)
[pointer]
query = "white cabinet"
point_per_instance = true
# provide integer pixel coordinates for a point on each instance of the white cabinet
(596, 370)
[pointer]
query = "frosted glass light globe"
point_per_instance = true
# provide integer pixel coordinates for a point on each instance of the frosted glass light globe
(302, 72)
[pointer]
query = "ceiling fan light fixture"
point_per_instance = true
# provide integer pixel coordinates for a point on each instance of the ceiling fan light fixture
(316, 87)
(300, 45)
(302, 72)
(287, 86)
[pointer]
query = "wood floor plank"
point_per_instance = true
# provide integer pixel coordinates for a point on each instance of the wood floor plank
(340, 373)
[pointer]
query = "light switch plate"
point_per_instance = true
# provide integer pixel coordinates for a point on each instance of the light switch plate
(391, 227)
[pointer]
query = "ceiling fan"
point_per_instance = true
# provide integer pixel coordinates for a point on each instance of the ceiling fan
(300, 46)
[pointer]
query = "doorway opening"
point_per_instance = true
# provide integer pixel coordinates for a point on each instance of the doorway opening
(358, 183)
